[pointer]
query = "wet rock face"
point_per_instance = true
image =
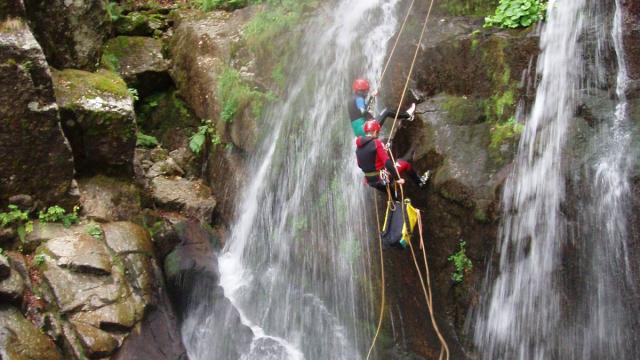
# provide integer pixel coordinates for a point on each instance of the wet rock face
(140, 62)
(631, 43)
(470, 84)
(19, 339)
(193, 278)
(70, 32)
(197, 69)
(103, 281)
(98, 117)
(37, 160)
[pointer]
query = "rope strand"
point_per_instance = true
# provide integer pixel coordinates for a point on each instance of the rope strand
(382, 302)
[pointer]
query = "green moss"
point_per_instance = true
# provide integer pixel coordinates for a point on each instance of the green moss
(505, 133)
(236, 95)
(462, 110)
(468, 7)
(480, 215)
(117, 48)
(278, 17)
(80, 83)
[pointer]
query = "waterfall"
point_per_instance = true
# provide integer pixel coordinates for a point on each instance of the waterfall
(564, 284)
(296, 262)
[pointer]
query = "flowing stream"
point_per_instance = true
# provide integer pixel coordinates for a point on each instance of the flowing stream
(564, 285)
(296, 265)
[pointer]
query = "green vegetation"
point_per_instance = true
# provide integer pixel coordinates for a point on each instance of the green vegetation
(236, 94)
(461, 262)
(58, 214)
(146, 141)
(502, 132)
(114, 10)
(95, 231)
(198, 139)
(467, 7)
(133, 93)
(38, 260)
(208, 5)
(517, 13)
(19, 219)
(91, 85)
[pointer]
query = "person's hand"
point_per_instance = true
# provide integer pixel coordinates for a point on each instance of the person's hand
(375, 93)
(400, 181)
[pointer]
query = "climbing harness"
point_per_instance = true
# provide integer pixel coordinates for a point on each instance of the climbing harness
(391, 205)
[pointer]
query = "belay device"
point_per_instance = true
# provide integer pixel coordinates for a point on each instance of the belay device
(399, 221)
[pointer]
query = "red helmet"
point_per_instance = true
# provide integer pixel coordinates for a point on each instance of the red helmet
(371, 126)
(360, 85)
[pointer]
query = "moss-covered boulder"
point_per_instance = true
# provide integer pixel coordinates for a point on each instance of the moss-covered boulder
(140, 62)
(21, 340)
(37, 160)
(141, 23)
(98, 118)
(70, 32)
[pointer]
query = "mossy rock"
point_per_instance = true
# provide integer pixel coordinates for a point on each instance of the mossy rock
(140, 62)
(147, 23)
(23, 340)
(98, 119)
(75, 85)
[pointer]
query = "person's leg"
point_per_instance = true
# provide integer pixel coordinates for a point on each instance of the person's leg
(404, 167)
(391, 113)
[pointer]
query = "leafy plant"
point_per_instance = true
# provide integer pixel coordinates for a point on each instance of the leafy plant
(19, 219)
(134, 93)
(58, 214)
(236, 94)
(114, 10)
(95, 231)
(198, 139)
(517, 13)
(146, 141)
(39, 259)
(461, 262)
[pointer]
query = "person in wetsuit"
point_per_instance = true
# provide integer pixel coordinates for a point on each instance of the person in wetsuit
(378, 168)
(358, 107)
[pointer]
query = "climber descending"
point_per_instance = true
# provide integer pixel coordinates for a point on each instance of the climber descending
(359, 108)
(379, 170)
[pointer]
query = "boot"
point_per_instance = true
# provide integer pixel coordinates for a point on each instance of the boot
(424, 179)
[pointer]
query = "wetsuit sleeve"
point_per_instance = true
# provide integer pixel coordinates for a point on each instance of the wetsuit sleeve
(381, 155)
(361, 104)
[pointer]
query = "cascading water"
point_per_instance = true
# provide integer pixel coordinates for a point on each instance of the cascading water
(563, 288)
(296, 262)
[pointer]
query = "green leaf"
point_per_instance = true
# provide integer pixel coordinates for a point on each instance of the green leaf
(196, 142)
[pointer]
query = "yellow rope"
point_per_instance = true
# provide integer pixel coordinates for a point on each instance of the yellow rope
(413, 63)
(382, 302)
(430, 302)
(395, 44)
